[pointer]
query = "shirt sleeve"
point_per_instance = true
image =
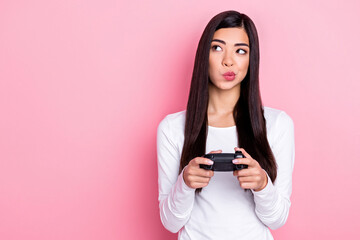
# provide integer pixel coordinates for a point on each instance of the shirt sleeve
(176, 199)
(272, 204)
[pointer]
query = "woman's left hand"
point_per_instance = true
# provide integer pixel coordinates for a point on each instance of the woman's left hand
(253, 177)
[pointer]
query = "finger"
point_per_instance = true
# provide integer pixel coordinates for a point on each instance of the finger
(198, 185)
(197, 179)
(254, 179)
(216, 151)
(247, 185)
(203, 173)
(256, 173)
(243, 172)
(243, 152)
(200, 160)
(195, 170)
(247, 161)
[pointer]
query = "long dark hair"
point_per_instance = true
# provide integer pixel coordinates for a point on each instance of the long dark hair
(248, 112)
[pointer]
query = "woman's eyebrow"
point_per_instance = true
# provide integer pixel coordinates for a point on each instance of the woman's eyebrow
(223, 42)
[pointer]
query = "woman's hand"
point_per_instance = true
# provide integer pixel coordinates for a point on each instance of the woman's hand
(253, 177)
(196, 177)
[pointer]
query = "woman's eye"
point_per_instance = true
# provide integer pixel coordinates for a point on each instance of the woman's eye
(216, 48)
(241, 51)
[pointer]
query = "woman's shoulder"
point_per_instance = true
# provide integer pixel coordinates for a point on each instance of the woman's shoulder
(277, 121)
(171, 128)
(177, 117)
(274, 115)
(174, 121)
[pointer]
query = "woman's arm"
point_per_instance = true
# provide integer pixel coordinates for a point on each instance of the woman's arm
(176, 199)
(273, 202)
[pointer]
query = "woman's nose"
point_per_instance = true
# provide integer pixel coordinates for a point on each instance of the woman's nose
(227, 61)
(228, 64)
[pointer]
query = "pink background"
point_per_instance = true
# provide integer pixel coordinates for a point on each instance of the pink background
(84, 84)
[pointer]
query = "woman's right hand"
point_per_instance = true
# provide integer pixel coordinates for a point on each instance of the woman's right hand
(196, 177)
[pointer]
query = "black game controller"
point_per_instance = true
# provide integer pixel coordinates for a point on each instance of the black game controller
(223, 162)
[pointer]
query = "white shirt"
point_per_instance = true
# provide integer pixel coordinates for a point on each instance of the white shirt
(223, 210)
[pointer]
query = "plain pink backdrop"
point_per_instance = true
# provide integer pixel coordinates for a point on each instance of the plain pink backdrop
(84, 84)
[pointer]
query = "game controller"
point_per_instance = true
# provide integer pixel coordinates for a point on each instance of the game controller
(223, 162)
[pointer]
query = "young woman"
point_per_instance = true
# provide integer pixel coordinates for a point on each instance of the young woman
(224, 114)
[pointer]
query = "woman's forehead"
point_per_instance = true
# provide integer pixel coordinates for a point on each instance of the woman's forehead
(231, 35)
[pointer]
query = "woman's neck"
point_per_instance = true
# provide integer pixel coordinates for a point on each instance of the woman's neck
(222, 102)
(221, 106)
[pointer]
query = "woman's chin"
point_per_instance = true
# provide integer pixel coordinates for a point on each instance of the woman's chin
(226, 86)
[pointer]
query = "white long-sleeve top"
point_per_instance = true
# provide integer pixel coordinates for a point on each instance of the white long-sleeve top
(223, 210)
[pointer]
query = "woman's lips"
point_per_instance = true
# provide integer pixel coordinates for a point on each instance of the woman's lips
(229, 76)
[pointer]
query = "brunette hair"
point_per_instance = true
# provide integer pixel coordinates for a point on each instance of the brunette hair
(248, 112)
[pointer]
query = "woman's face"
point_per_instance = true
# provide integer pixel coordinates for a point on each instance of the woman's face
(229, 55)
